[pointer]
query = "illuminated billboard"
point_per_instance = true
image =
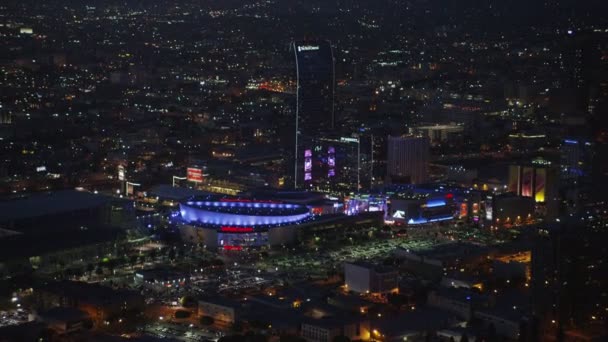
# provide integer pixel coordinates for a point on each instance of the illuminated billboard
(540, 185)
(488, 208)
(194, 175)
(121, 173)
(307, 164)
(331, 157)
(527, 181)
(308, 48)
(464, 209)
(331, 161)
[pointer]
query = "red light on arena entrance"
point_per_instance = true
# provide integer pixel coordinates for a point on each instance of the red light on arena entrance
(449, 196)
(231, 229)
(233, 248)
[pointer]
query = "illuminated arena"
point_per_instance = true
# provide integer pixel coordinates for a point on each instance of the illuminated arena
(235, 223)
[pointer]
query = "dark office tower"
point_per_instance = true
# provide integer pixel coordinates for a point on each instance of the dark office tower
(315, 86)
(315, 96)
(576, 173)
(585, 67)
(569, 278)
(408, 159)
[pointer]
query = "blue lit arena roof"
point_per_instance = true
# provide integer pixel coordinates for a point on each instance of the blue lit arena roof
(239, 212)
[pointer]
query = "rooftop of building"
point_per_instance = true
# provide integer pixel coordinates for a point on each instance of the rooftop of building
(221, 301)
(301, 197)
(420, 319)
(50, 203)
(378, 268)
(30, 331)
(94, 294)
(441, 126)
(16, 246)
(65, 314)
(166, 191)
(459, 294)
(509, 304)
(245, 206)
(333, 319)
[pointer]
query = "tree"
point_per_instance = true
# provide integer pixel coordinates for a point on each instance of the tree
(111, 264)
(207, 320)
(341, 338)
(257, 324)
(98, 270)
(171, 254)
(492, 332)
(291, 338)
(78, 272)
(233, 338)
(153, 254)
(181, 314)
(464, 337)
(188, 301)
(236, 327)
(88, 324)
(47, 335)
(397, 299)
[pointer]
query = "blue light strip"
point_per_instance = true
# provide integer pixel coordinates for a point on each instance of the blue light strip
(197, 215)
(435, 203)
(423, 221)
(568, 141)
(442, 219)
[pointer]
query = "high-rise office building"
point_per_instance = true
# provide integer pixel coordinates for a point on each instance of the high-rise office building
(314, 100)
(538, 180)
(315, 86)
(408, 159)
(568, 278)
(576, 171)
(336, 163)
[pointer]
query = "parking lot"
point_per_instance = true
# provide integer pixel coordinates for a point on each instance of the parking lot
(181, 332)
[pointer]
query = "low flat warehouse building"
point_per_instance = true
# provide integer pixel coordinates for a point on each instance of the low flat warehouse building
(367, 278)
(38, 229)
(220, 309)
(101, 303)
(328, 328)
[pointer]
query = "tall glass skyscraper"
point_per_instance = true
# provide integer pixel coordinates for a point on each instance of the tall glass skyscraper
(315, 86)
(315, 96)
